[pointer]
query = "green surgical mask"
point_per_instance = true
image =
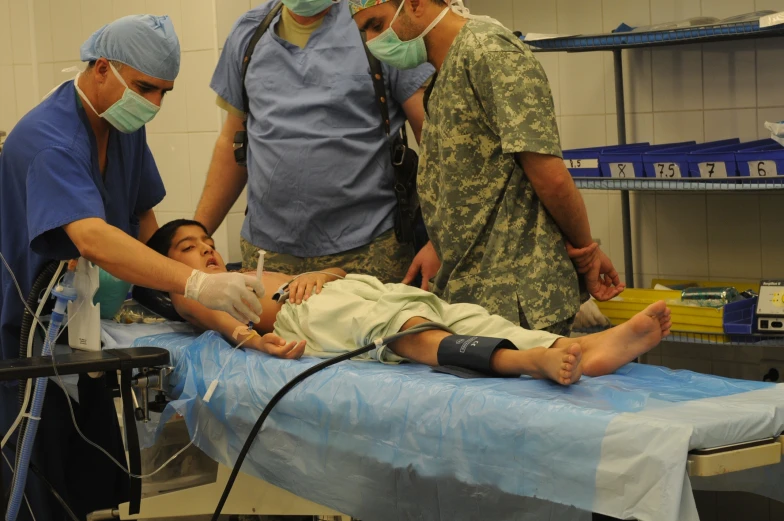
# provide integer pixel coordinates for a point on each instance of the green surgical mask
(111, 294)
(308, 7)
(390, 49)
(129, 113)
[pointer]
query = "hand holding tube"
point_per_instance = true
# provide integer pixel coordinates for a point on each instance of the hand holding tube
(234, 293)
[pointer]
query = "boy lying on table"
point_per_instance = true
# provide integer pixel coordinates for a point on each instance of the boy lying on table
(330, 313)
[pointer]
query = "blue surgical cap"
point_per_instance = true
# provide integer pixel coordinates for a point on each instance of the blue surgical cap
(145, 42)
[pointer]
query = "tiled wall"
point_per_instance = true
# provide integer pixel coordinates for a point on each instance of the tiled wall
(183, 134)
(15, 63)
(695, 92)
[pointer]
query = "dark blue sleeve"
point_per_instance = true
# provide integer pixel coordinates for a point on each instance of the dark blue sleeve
(151, 189)
(404, 83)
(60, 190)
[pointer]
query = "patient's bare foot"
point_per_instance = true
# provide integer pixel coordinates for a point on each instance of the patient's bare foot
(606, 352)
(562, 363)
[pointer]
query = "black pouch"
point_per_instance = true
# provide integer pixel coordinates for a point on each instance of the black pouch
(408, 216)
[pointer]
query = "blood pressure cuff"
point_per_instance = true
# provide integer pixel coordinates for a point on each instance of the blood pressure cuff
(469, 356)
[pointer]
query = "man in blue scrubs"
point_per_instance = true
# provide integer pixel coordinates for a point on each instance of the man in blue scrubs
(320, 178)
(78, 179)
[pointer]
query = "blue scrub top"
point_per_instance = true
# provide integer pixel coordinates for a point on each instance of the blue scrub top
(320, 179)
(49, 177)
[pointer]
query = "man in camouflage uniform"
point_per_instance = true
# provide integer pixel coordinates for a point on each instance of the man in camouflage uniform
(499, 204)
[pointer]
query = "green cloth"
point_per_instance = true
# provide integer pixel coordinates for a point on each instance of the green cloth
(499, 246)
(111, 294)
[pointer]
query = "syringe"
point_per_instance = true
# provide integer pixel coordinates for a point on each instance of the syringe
(259, 274)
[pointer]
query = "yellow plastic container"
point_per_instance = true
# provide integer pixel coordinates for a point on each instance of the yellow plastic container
(690, 319)
(740, 286)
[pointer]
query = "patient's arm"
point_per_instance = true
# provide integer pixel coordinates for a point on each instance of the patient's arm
(208, 319)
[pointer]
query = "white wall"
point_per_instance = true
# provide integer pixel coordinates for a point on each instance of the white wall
(695, 92)
(183, 134)
(15, 63)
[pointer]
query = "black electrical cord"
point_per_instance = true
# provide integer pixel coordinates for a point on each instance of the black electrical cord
(419, 328)
(41, 282)
(51, 488)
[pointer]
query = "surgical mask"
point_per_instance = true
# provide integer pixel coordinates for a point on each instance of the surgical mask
(390, 49)
(308, 7)
(129, 113)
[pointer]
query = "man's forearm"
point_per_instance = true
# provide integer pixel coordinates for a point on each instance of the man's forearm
(554, 186)
(126, 258)
(567, 208)
(225, 181)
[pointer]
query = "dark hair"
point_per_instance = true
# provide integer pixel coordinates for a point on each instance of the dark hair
(161, 240)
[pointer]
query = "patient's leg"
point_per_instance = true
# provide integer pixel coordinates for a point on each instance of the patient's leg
(604, 353)
(559, 363)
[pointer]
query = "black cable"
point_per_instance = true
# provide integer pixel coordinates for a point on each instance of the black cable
(44, 278)
(46, 482)
(427, 326)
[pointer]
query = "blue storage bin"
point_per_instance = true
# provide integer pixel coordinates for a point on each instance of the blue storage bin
(584, 162)
(673, 163)
(740, 317)
(625, 164)
(720, 163)
(762, 163)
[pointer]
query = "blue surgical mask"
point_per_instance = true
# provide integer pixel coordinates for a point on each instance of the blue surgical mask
(129, 113)
(390, 49)
(308, 7)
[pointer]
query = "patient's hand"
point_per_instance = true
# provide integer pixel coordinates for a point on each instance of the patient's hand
(273, 345)
(301, 288)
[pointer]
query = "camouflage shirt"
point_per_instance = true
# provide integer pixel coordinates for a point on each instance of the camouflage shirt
(500, 248)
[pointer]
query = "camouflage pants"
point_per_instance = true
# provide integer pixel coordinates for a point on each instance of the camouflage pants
(563, 328)
(384, 258)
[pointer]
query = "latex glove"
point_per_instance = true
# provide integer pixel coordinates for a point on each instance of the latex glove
(427, 263)
(235, 293)
(590, 316)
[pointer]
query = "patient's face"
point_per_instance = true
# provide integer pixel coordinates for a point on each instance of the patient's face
(193, 247)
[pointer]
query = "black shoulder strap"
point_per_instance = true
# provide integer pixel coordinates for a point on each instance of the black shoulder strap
(262, 28)
(377, 74)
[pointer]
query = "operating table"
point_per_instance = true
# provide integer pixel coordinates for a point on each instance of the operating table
(381, 442)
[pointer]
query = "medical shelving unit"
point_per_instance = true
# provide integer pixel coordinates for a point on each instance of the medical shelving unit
(616, 43)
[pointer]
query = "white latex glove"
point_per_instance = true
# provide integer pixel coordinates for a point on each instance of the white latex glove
(590, 316)
(235, 293)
